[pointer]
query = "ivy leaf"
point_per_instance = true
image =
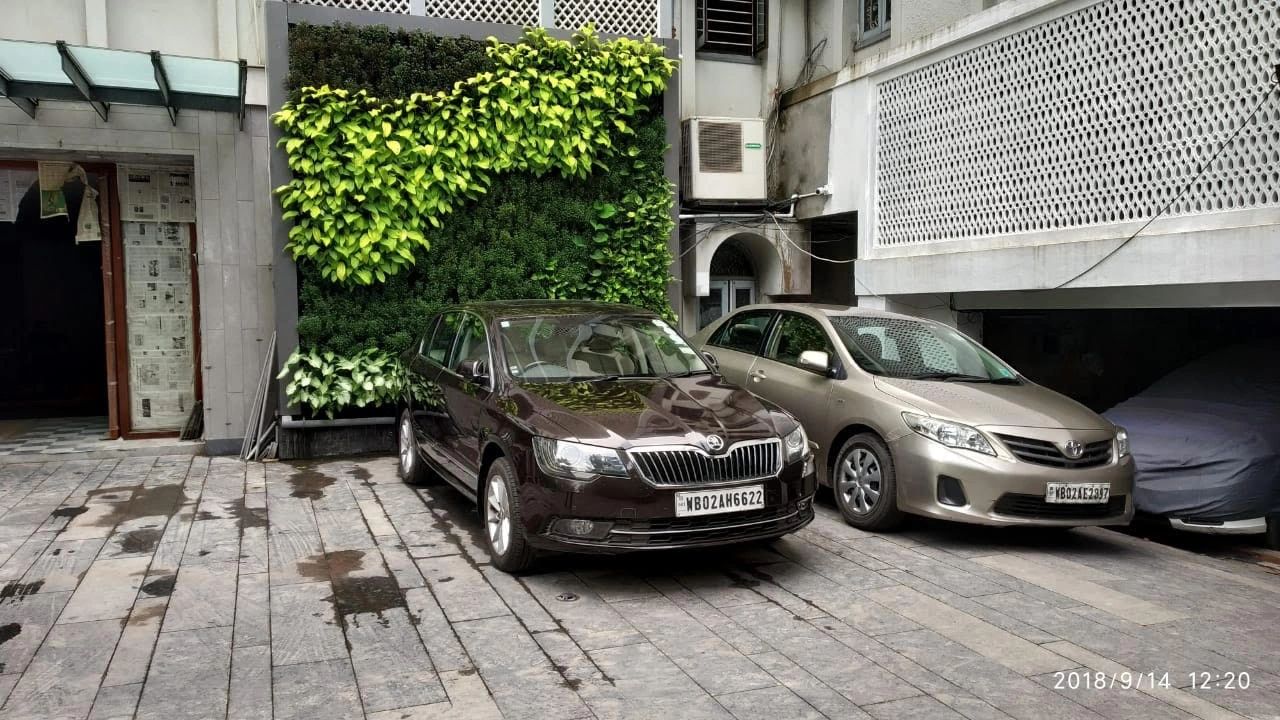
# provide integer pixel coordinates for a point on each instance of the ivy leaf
(394, 146)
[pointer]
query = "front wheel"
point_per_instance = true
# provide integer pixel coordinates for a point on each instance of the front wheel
(504, 529)
(865, 484)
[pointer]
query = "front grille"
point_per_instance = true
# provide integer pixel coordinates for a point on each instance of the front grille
(689, 466)
(1043, 452)
(1034, 506)
(708, 529)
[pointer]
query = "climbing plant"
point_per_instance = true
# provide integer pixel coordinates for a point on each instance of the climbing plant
(369, 174)
(511, 220)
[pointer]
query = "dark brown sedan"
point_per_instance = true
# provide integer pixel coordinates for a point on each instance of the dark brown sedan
(590, 427)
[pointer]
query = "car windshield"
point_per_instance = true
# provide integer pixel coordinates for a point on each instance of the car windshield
(577, 348)
(903, 348)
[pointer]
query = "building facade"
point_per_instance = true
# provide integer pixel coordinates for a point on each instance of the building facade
(1061, 177)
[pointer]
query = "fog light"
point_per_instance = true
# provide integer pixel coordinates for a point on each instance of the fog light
(951, 492)
(803, 504)
(808, 465)
(576, 527)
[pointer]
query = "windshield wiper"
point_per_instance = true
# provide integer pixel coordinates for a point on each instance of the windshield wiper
(687, 373)
(951, 377)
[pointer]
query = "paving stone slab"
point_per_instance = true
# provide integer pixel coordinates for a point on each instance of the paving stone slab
(461, 589)
(116, 703)
(253, 610)
(62, 679)
(323, 690)
(390, 662)
(133, 651)
(107, 591)
(203, 596)
(189, 676)
(304, 625)
(591, 622)
(522, 680)
(250, 693)
(769, 704)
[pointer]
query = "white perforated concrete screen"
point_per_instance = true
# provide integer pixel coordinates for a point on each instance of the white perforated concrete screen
(1098, 117)
(392, 6)
(159, 314)
(638, 18)
(506, 12)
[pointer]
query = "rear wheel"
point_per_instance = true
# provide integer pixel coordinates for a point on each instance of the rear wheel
(412, 469)
(865, 484)
(504, 528)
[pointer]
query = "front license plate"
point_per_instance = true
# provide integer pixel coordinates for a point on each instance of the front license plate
(714, 502)
(1077, 493)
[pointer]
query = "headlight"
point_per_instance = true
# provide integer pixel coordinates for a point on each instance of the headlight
(796, 443)
(575, 460)
(950, 434)
(1122, 441)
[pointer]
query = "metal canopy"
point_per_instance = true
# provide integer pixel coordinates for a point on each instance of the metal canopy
(35, 71)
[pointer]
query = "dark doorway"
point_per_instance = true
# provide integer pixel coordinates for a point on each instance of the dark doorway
(52, 360)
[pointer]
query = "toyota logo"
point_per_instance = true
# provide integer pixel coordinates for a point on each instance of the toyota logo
(1073, 449)
(715, 443)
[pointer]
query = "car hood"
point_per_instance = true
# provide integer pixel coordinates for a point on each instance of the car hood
(657, 411)
(987, 404)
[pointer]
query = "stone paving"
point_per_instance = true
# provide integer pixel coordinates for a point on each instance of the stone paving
(178, 587)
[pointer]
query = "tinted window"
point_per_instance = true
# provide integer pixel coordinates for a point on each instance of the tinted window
(442, 341)
(471, 343)
(796, 334)
(743, 332)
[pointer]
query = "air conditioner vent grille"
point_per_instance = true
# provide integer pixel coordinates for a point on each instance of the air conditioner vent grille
(720, 147)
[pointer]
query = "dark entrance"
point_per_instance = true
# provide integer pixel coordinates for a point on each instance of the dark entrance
(52, 362)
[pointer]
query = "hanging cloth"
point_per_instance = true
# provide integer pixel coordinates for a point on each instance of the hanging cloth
(53, 201)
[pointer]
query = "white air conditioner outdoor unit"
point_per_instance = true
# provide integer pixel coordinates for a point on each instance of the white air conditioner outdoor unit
(724, 161)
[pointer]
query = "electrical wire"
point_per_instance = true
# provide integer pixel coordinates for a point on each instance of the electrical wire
(1275, 82)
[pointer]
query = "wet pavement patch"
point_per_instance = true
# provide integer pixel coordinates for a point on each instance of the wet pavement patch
(9, 631)
(133, 503)
(160, 587)
(154, 611)
(373, 595)
(309, 483)
(332, 565)
(69, 512)
(18, 590)
(140, 541)
(248, 517)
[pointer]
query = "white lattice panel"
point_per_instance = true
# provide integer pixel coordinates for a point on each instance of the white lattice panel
(506, 12)
(390, 6)
(638, 18)
(1098, 117)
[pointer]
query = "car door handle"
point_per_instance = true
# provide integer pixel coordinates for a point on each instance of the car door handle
(757, 375)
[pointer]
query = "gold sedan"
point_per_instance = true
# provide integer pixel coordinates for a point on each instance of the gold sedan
(912, 416)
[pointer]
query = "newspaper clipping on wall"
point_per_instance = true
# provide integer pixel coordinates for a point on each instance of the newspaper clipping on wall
(157, 194)
(161, 335)
(14, 185)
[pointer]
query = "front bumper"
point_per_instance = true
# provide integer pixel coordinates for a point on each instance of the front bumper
(642, 517)
(1003, 490)
(1251, 526)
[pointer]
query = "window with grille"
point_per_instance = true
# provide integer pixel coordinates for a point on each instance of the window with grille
(875, 15)
(732, 27)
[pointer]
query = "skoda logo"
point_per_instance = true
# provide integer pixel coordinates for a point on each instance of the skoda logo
(715, 443)
(1074, 449)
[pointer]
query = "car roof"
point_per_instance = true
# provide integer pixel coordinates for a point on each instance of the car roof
(833, 310)
(510, 309)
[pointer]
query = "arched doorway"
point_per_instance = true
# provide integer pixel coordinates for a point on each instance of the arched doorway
(733, 283)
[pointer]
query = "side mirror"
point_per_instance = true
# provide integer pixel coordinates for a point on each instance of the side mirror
(711, 360)
(816, 361)
(476, 371)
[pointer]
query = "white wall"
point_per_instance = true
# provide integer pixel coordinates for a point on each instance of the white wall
(223, 29)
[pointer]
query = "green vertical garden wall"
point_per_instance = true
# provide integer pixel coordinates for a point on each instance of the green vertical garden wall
(430, 170)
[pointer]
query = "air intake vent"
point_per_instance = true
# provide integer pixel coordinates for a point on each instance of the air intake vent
(720, 147)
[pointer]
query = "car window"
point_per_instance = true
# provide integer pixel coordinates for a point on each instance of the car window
(471, 343)
(569, 348)
(743, 332)
(442, 340)
(795, 334)
(910, 348)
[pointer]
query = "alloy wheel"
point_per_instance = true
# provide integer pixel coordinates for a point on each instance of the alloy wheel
(406, 447)
(859, 480)
(498, 515)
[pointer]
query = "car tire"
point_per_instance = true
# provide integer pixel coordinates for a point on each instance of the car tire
(413, 469)
(865, 484)
(503, 526)
(1273, 532)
